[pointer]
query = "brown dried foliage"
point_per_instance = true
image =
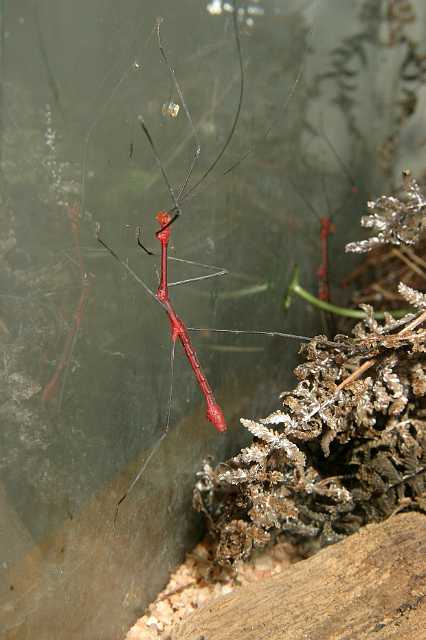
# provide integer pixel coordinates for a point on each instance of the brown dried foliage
(397, 220)
(347, 447)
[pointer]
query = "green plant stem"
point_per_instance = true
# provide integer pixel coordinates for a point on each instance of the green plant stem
(296, 288)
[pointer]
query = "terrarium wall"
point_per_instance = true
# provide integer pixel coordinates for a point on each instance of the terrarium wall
(85, 369)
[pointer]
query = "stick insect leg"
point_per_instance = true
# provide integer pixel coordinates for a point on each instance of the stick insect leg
(138, 240)
(218, 271)
(124, 264)
(209, 276)
(272, 334)
(158, 443)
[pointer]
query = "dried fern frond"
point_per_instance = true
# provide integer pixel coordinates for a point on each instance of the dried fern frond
(414, 297)
(336, 455)
(398, 221)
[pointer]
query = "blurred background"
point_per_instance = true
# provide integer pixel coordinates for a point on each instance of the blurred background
(331, 113)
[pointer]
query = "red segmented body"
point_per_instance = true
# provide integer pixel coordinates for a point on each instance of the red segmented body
(214, 412)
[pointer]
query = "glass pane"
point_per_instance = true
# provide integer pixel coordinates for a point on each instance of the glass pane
(86, 353)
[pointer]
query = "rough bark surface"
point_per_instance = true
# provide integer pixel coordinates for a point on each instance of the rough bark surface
(371, 585)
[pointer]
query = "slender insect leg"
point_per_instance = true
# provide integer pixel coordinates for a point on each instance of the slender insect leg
(159, 441)
(138, 240)
(238, 332)
(216, 274)
(214, 412)
(272, 334)
(124, 264)
(219, 271)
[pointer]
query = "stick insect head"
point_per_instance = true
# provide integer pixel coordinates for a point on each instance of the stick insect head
(165, 220)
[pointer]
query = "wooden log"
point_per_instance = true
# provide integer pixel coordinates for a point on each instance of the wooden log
(371, 585)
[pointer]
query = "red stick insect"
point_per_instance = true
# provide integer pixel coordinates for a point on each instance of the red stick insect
(179, 331)
(327, 227)
(213, 411)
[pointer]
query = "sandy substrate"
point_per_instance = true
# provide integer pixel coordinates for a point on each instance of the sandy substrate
(192, 587)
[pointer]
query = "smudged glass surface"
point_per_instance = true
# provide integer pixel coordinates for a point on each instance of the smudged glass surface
(85, 353)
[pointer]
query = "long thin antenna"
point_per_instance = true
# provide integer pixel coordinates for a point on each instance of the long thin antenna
(185, 108)
(303, 197)
(327, 199)
(175, 153)
(274, 122)
(160, 165)
(339, 159)
(294, 86)
(175, 198)
(239, 105)
(252, 149)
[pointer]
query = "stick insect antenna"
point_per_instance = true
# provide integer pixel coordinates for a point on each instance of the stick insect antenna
(176, 211)
(160, 165)
(175, 198)
(326, 196)
(339, 159)
(304, 198)
(185, 108)
(239, 105)
(294, 86)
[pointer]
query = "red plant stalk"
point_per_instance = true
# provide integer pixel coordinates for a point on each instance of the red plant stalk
(214, 413)
(52, 386)
(74, 218)
(327, 228)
